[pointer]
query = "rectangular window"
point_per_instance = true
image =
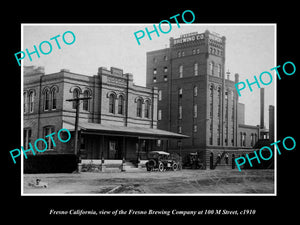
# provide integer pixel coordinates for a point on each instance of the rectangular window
(179, 129)
(25, 102)
(180, 71)
(195, 128)
(53, 94)
(165, 78)
(158, 143)
(180, 112)
(159, 95)
(196, 69)
(26, 138)
(48, 131)
(139, 108)
(31, 102)
(159, 114)
(195, 111)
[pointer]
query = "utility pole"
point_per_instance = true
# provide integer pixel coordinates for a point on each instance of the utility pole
(77, 102)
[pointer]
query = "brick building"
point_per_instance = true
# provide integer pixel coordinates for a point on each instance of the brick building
(118, 122)
(198, 99)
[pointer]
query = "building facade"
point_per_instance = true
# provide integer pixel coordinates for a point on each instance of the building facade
(197, 98)
(118, 122)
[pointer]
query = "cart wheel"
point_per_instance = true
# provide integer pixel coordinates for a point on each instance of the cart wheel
(160, 167)
(174, 167)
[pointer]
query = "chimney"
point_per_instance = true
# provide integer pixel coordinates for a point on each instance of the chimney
(262, 107)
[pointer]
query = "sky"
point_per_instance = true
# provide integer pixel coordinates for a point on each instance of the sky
(250, 50)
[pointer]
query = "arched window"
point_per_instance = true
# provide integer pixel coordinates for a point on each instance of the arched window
(139, 108)
(121, 105)
(31, 101)
(147, 109)
(111, 103)
(25, 102)
(211, 68)
(75, 95)
(86, 102)
(46, 99)
(219, 70)
(53, 98)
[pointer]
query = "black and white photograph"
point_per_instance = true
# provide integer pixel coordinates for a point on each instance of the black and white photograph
(148, 117)
(134, 113)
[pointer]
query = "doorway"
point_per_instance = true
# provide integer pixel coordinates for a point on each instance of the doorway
(114, 148)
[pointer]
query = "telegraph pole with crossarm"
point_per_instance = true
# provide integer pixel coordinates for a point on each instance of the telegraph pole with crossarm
(77, 103)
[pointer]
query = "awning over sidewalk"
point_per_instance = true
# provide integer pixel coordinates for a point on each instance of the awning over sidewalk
(101, 129)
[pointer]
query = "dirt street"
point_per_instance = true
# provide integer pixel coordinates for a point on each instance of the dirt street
(142, 182)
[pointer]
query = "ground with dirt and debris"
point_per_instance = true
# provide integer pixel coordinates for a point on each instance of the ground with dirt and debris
(142, 182)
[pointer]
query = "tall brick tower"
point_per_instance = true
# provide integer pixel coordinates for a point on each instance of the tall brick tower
(195, 97)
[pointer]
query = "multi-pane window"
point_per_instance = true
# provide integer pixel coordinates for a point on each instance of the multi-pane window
(49, 99)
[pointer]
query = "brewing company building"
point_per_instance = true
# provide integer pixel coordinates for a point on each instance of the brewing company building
(198, 99)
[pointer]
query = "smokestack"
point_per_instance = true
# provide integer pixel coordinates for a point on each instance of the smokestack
(262, 107)
(271, 123)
